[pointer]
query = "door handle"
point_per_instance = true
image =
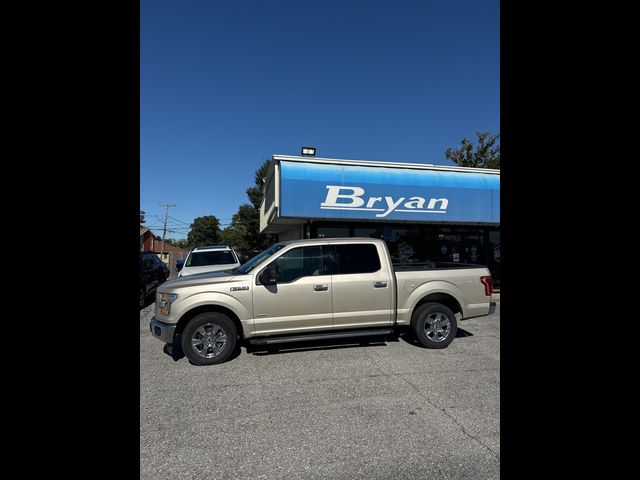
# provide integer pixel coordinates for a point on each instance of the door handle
(321, 288)
(380, 284)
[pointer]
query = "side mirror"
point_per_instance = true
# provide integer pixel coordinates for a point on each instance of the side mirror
(179, 265)
(268, 276)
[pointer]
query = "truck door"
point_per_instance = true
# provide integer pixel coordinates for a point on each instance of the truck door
(301, 298)
(362, 286)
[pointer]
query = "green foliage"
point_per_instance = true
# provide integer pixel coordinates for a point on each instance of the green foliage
(486, 155)
(243, 233)
(255, 193)
(182, 243)
(234, 237)
(204, 230)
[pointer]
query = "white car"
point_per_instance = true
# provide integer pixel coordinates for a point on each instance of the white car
(209, 258)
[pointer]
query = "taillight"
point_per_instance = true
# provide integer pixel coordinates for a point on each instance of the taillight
(488, 285)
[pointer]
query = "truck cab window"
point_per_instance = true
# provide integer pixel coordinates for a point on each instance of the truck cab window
(298, 263)
(356, 258)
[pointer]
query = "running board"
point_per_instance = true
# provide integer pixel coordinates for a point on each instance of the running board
(320, 336)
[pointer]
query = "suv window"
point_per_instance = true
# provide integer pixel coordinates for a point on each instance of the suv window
(356, 258)
(298, 263)
(201, 259)
(146, 262)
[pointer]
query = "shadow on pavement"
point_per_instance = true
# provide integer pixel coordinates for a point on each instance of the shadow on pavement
(330, 344)
(174, 350)
(410, 338)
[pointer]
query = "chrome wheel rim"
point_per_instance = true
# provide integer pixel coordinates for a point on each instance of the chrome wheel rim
(209, 340)
(437, 327)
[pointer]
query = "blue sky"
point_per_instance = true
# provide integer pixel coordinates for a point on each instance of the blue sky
(226, 84)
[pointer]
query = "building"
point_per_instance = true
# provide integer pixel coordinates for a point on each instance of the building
(147, 240)
(423, 212)
(150, 243)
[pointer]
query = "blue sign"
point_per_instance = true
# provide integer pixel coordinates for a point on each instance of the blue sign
(312, 190)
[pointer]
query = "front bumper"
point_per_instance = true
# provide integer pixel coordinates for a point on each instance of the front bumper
(162, 331)
(492, 308)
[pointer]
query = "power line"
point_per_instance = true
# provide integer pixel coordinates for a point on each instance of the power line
(164, 231)
(180, 221)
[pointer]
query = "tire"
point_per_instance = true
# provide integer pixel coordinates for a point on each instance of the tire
(143, 298)
(430, 335)
(201, 338)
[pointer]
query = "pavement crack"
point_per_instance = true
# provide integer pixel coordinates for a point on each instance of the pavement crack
(443, 410)
(355, 377)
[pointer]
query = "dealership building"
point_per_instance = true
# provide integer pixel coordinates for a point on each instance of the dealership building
(423, 212)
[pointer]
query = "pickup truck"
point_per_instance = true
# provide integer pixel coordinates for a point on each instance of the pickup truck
(317, 289)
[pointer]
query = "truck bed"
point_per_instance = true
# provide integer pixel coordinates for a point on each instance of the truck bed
(459, 279)
(407, 267)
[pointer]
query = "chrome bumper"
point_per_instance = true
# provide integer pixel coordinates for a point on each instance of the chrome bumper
(162, 331)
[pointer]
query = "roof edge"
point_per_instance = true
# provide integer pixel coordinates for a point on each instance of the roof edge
(373, 163)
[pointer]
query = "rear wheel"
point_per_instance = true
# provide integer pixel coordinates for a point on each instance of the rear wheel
(209, 338)
(434, 325)
(143, 298)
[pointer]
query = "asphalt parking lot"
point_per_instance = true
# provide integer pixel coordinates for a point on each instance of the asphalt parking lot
(387, 410)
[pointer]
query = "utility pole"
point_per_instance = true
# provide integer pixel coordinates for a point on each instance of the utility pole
(164, 231)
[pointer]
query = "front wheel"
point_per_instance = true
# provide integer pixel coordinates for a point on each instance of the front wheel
(209, 338)
(434, 324)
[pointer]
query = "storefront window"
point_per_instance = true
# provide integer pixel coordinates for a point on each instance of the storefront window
(415, 244)
(367, 232)
(406, 245)
(333, 232)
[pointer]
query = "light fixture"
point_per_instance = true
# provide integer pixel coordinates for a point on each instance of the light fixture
(308, 151)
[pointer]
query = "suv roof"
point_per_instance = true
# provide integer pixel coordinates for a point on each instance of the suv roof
(215, 246)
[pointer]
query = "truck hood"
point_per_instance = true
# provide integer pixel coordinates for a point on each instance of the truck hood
(210, 278)
(187, 271)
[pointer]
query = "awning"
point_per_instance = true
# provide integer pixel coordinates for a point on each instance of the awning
(333, 191)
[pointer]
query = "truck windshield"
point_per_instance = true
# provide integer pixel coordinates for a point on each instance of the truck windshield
(258, 259)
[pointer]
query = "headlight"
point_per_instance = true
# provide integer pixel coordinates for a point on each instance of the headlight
(164, 302)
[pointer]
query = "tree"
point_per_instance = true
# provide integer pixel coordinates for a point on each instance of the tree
(255, 193)
(141, 217)
(487, 155)
(182, 243)
(234, 237)
(204, 230)
(244, 231)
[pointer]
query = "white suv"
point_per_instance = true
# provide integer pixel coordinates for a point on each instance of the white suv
(209, 258)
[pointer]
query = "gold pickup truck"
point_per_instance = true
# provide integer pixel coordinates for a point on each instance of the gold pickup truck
(318, 289)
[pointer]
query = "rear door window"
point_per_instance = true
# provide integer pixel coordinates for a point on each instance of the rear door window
(356, 258)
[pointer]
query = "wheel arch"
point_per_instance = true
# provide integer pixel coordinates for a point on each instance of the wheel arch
(186, 318)
(440, 297)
